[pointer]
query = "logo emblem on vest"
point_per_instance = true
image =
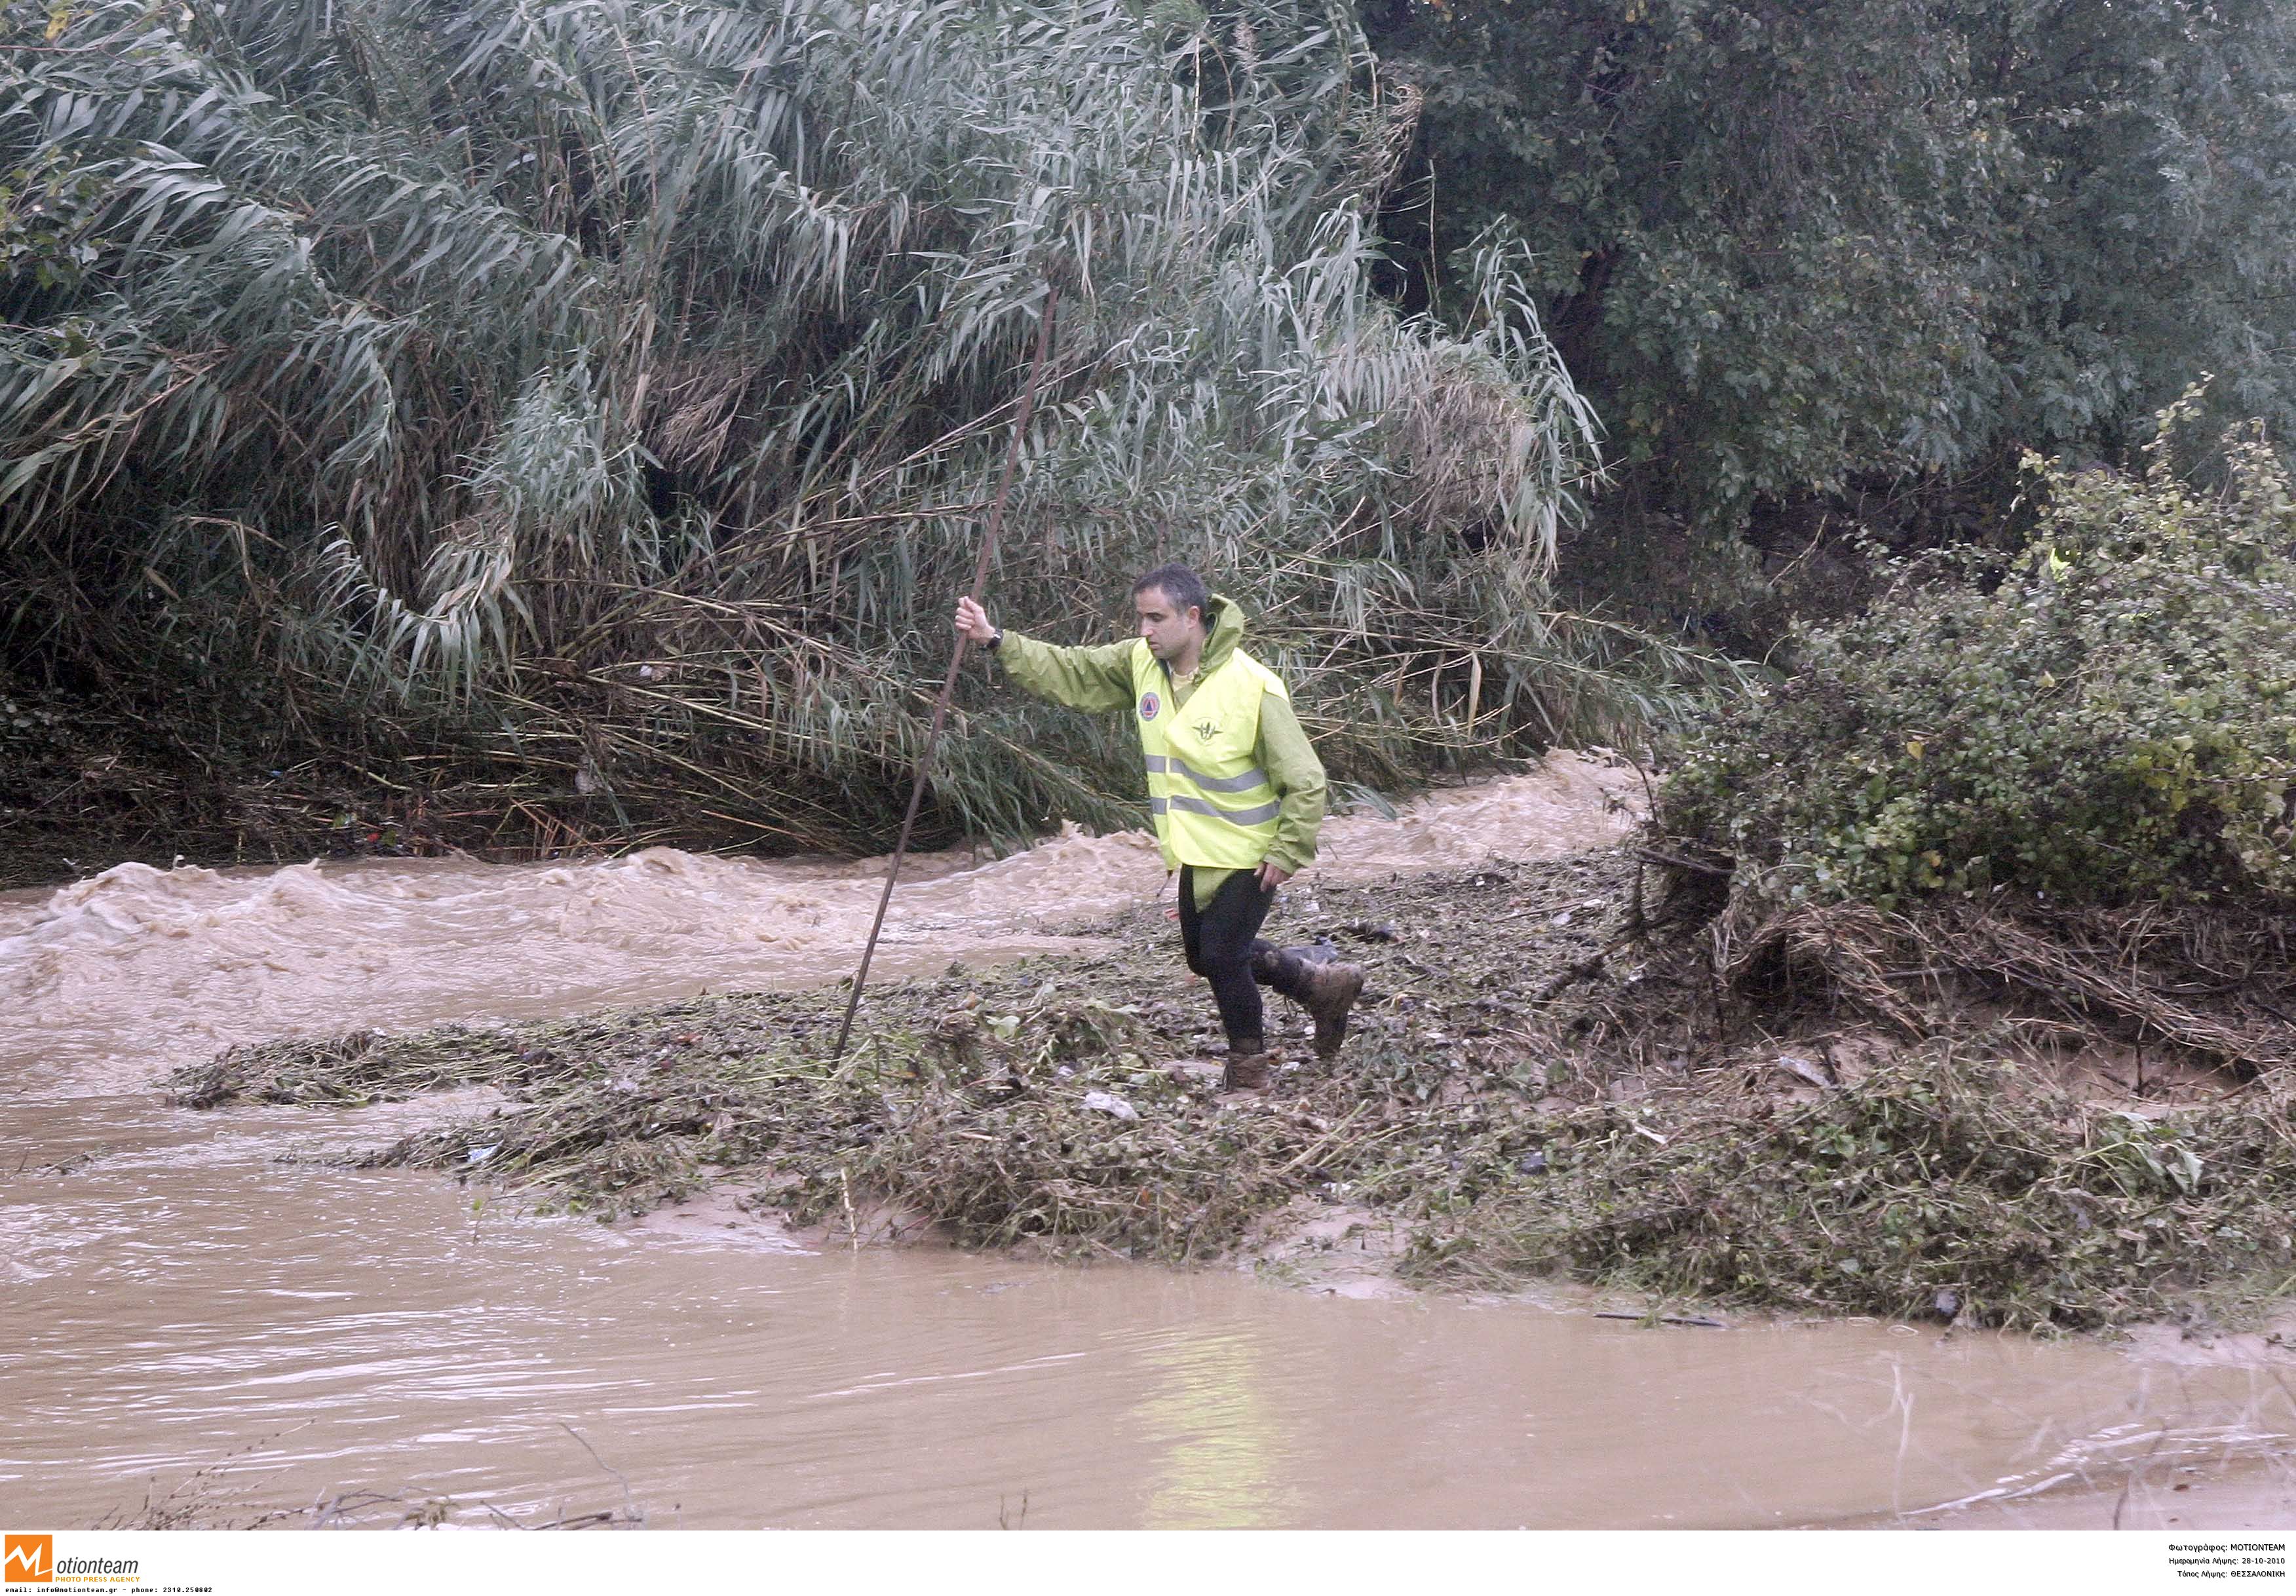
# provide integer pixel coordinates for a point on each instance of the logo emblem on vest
(1207, 730)
(1148, 706)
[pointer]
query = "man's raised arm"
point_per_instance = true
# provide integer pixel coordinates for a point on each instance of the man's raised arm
(1097, 678)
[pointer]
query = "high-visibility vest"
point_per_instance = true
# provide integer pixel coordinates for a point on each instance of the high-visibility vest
(1214, 807)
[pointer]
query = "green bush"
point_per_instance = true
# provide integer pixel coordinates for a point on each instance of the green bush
(2108, 722)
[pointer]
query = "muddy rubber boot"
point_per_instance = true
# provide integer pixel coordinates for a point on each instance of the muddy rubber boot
(1327, 992)
(1247, 1067)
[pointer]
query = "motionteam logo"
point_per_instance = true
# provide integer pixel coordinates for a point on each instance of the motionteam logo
(28, 1560)
(31, 1560)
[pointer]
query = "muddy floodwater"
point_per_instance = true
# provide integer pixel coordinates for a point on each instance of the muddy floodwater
(203, 1319)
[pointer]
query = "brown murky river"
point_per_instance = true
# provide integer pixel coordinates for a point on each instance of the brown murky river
(197, 1309)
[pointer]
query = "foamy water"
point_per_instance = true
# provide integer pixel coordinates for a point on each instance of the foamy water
(114, 977)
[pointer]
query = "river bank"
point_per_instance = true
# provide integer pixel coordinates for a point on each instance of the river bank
(224, 772)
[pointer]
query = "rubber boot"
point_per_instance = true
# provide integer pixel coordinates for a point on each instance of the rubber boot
(1247, 1067)
(1327, 992)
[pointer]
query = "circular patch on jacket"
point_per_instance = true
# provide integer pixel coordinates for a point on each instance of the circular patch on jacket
(1148, 706)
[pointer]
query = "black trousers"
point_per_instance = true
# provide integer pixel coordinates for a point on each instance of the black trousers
(1223, 944)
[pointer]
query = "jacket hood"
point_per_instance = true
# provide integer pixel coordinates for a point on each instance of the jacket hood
(1225, 634)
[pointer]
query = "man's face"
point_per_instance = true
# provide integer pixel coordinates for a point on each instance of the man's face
(1168, 631)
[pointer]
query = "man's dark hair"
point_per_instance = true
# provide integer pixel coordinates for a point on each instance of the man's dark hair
(1181, 587)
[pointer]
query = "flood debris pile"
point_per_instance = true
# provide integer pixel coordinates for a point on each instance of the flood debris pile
(1538, 1082)
(1071, 1103)
(1951, 1183)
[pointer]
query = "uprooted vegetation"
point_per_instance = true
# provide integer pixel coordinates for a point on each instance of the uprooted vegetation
(1539, 1084)
(2067, 784)
(965, 1098)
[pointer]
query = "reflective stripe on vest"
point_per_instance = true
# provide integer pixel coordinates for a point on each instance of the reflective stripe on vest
(1235, 818)
(1249, 779)
(1213, 804)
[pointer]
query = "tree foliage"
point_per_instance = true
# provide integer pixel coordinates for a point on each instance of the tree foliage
(1791, 248)
(619, 380)
(2106, 723)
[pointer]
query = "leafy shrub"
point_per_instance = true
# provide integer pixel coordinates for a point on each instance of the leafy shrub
(2107, 721)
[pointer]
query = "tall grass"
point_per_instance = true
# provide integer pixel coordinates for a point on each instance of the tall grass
(615, 382)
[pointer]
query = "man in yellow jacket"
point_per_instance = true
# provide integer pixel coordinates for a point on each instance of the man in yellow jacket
(1234, 786)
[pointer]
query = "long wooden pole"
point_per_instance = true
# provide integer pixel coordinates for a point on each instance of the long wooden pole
(955, 661)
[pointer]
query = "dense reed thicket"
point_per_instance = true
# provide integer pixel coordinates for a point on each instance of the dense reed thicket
(611, 388)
